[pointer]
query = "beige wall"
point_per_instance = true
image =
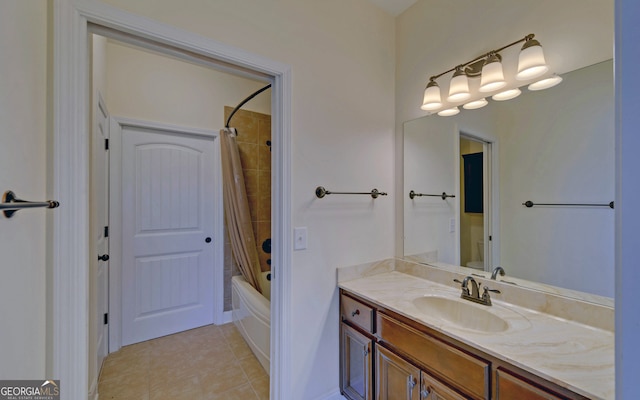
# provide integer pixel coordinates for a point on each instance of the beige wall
(342, 60)
(23, 140)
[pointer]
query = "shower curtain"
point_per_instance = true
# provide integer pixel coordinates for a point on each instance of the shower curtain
(236, 210)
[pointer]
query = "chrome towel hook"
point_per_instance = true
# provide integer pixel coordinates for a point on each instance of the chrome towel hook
(11, 204)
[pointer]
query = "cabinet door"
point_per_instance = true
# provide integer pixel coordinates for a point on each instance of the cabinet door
(355, 364)
(432, 389)
(396, 379)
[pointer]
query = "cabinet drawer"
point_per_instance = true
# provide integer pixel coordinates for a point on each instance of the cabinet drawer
(357, 313)
(469, 374)
(509, 386)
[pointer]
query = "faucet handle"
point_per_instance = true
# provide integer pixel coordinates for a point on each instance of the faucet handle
(463, 285)
(485, 295)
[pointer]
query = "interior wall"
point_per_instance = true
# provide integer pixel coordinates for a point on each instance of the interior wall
(153, 87)
(23, 118)
(342, 60)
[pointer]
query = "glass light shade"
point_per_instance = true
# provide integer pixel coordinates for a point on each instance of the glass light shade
(449, 112)
(545, 83)
(531, 62)
(472, 105)
(458, 87)
(492, 76)
(507, 95)
(432, 100)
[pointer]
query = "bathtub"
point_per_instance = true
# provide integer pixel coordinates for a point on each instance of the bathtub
(251, 314)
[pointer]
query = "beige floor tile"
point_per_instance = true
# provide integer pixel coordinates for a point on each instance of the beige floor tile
(244, 392)
(223, 379)
(252, 367)
(184, 388)
(261, 387)
(211, 362)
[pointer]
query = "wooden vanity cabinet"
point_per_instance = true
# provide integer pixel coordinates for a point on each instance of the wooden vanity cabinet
(356, 349)
(386, 356)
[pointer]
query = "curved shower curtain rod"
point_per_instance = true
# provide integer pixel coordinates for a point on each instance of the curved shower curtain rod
(244, 102)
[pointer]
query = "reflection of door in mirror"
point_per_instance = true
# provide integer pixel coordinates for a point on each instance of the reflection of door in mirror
(473, 202)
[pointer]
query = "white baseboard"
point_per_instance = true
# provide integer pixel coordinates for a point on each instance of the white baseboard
(333, 395)
(227, 317)
(93, 391)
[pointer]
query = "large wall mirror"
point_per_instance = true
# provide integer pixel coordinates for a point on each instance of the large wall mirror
(554, 146)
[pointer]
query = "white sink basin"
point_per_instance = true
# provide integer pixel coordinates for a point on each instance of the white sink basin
(461, 313)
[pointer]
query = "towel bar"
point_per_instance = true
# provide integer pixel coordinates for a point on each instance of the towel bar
(11, 204)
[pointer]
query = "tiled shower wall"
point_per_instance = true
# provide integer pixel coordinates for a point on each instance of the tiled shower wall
(254, 143)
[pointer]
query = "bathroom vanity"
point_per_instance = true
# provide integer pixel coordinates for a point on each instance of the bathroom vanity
(405, 336)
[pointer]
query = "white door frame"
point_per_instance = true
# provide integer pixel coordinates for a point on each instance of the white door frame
(68, 230)
(492, 220)
(115, 221)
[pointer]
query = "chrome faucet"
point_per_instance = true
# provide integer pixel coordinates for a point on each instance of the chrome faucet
(474, 294)
(496, 271)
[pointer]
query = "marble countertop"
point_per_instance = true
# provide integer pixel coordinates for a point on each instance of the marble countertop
(573, 355)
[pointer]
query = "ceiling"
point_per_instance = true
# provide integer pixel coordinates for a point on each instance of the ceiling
(394, 7)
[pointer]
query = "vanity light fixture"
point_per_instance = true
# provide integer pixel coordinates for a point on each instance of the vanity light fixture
(531, 63)
(492, 75)
(459, 86)
(488, 67)
(431, 96)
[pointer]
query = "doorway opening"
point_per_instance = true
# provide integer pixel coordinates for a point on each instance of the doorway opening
(233, 84)
(475, 211)
(69, 165)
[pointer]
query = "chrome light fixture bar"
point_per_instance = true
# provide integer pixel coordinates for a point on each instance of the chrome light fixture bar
(531, 65)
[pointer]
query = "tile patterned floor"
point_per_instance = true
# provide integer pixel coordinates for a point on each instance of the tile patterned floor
(208, 363)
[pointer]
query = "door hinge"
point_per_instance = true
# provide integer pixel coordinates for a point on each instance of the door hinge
(106, 318)
(490, 238)
(106, 231)
(106, 144)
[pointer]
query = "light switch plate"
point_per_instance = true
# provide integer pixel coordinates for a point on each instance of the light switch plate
(300, 238)
(452, 225)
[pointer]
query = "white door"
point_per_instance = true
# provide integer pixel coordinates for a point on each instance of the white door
(168, 205)
(100, 223)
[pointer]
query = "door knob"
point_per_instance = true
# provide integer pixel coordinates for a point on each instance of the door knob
(104, 257)
(208, 240)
